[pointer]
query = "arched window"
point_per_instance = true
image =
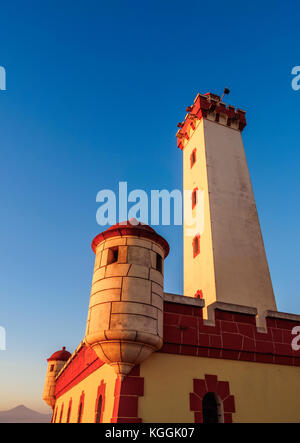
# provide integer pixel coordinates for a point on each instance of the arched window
(211, 408)
(69, 411)
(80, 409)
(99, 409)
(61, 413)
(55, 416)
(80, 412)
(100, 403)
(211, 400)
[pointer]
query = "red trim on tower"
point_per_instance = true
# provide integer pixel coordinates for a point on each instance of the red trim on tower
(205, 104)
(199, 294)
(100, 393)
(211, 384)
(127, 395)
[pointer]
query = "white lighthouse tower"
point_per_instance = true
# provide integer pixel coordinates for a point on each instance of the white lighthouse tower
(227, 261)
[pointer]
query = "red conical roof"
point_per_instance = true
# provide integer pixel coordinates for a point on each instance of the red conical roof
(61, 355)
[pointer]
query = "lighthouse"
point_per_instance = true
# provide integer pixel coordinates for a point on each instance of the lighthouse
(227, 261)
(218, 353)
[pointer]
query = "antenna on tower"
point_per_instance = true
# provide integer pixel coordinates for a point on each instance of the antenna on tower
(226, 91)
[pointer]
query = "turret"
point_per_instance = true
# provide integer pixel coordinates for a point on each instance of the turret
(55, 364)
(125, 319)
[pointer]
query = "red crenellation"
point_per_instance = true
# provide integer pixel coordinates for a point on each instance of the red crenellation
(234, 336)
(202, 107)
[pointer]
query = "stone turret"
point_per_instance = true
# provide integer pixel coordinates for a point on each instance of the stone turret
(55, 364)
(125, 318)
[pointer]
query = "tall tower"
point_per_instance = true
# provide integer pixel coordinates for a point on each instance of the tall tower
(226, 261)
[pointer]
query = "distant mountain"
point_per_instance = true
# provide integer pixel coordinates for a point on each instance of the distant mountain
(21, 414)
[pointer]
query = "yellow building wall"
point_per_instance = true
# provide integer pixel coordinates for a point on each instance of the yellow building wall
(262, 392)
(90, 387)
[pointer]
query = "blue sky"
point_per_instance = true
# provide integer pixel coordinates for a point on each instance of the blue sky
(94, 92)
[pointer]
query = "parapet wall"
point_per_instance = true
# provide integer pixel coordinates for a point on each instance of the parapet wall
(83, 362)
(229, 333)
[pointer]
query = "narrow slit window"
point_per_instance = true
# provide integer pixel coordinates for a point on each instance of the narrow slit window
(196, 245)
(61, 413)
(68, 415)
(193, 158)
(80, 412)
(55, 415)
(99, 409)
(194, 197)
(113, 255)
(158, 262)
(80, 409)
